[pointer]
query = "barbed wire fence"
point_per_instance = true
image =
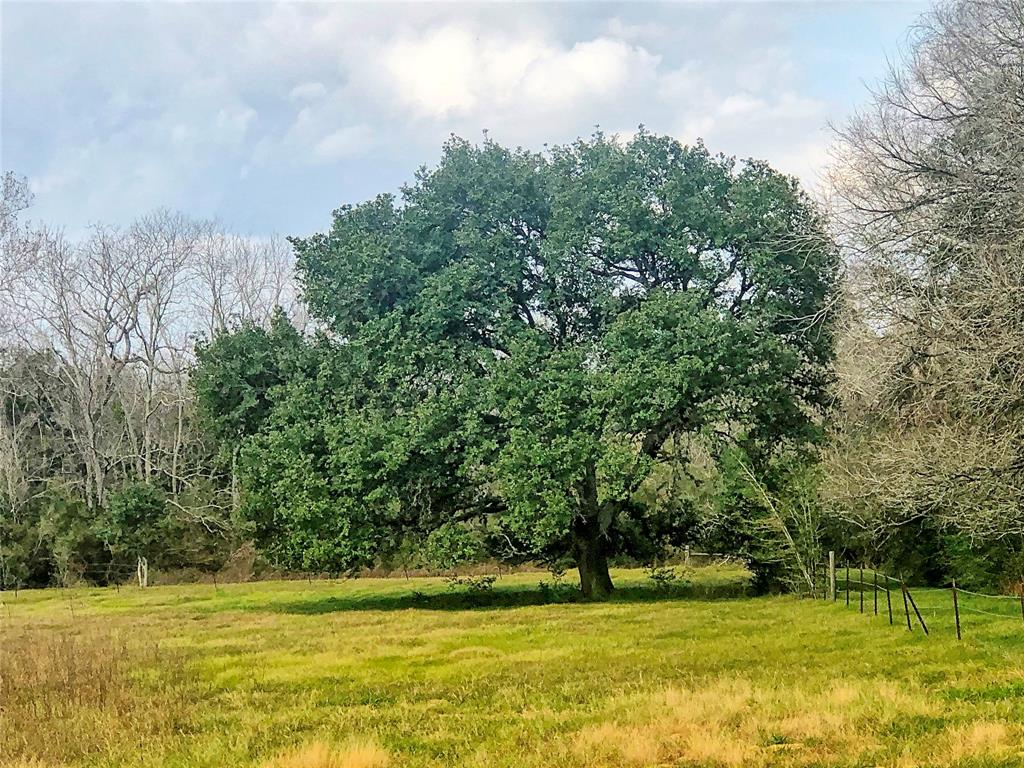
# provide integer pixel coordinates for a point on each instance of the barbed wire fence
(855, 585)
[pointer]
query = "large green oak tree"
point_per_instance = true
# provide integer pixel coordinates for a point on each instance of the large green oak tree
(519, 340)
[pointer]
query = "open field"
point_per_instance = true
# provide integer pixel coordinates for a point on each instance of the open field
(373, 673)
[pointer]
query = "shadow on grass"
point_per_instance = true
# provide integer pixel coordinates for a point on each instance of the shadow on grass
(502, 597)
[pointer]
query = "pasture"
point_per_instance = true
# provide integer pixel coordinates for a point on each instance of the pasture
(371, 673)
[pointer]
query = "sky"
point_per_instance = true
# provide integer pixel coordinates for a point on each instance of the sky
(268, 116)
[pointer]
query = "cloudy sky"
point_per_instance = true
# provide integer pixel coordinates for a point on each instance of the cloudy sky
(268, 116)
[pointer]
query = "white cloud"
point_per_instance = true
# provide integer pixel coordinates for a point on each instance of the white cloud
(437, 74)
(596, 69)
(128, 106)
(350, 141)
(455, 71)
(308, 92)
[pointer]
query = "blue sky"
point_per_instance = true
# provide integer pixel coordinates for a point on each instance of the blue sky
(270, 115)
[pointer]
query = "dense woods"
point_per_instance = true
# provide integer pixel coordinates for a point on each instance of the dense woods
(606, 350)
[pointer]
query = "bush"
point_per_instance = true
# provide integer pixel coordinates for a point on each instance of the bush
(666, 578)
(556, 590)
(475, 585)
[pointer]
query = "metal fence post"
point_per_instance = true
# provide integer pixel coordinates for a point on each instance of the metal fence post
(906, 607)
(832, 574)
(956, 611)
(920, 618)
(860, 587)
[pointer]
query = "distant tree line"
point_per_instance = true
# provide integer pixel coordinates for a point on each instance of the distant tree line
(595, 353)
(101, 457)
(927, 464)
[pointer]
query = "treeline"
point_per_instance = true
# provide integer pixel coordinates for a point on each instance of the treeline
(101, 458)
(599, 352)
(926, 466)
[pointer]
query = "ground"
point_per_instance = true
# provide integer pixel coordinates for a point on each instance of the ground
(372, 673)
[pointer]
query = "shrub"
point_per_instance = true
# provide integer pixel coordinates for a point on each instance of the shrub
(475, 585)
(665, 578)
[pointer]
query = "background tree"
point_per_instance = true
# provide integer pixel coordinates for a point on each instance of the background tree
(521, 340)
(97, 337)
(930, 203)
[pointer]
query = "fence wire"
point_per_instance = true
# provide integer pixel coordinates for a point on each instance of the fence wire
(852, 580)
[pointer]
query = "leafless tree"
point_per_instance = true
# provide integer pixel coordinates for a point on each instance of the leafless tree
(929, 202)
(18, 243)
(239, 278)
(119, 312)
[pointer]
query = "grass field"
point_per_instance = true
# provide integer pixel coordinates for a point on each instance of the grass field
(373, 673)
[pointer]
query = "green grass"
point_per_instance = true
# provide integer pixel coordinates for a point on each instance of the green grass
(367, 673)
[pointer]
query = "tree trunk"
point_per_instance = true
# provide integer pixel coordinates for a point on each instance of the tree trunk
(590, 540)
(592, 561)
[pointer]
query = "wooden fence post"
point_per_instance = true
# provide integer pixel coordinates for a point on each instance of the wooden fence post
(956, 611)
(832, 575)
(847, 586)
(874, 593)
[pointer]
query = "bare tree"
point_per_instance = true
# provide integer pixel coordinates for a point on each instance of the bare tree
(238, 278)
(929, 202)
(18, 243)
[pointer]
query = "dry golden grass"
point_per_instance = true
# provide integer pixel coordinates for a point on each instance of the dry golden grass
(734, 723)
(321, 755)
(69, 695)
(984, 739)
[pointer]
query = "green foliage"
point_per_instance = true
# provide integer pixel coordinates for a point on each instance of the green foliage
(23, 558)
(475, 585)
(237, 372)
(67, 530)
(924, 554)
(992, 566)
(665, 578)
(451, 546)
(135, 515)
(518, 341)
(772, 517)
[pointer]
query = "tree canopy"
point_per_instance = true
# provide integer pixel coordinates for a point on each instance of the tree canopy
(519, 340)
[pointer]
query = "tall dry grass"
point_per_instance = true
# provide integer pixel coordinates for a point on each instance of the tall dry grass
(355, 754)
(734, 723)
(72, 696)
